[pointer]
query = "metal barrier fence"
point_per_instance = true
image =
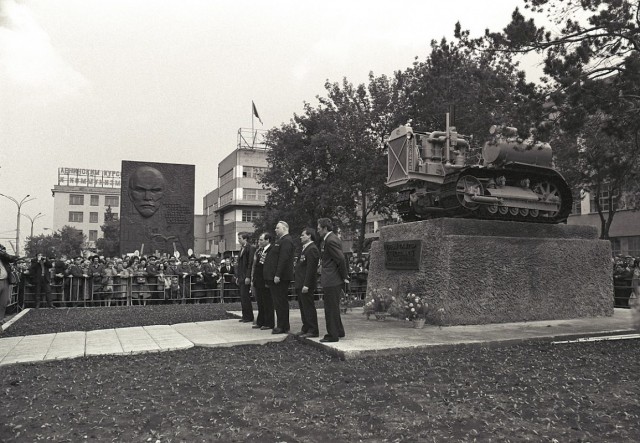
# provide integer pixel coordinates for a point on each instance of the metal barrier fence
(128, 291)
(135, 290)
(622, 290)
(14, 301)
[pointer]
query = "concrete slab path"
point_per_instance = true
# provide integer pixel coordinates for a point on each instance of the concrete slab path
(364, 337)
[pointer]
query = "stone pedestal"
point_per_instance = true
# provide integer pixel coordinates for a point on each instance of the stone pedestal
(482, 271)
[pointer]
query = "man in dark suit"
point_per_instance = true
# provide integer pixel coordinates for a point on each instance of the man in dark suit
(210, 276)
(306, 281)
(264, 270)
(227, 270)
(40, 271)
(333, 277)
(282, 250)
(243, 276)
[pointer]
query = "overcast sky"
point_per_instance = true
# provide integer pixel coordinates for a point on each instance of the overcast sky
(89, 83)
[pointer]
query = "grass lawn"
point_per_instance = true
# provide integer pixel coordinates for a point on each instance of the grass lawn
(290, 392)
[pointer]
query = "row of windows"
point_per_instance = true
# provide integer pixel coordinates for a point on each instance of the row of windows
(109, 200)
(78, 216)
(226, 198)
(247, 194)
(253, 171)
(249, 216)
(626, 246)
(604, 201)
(369, 228)
(626, 202)
(255, 194)
(226, 177)
(247, 171)
(93, 234)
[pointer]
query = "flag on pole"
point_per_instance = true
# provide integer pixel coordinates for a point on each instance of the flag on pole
(255, 112)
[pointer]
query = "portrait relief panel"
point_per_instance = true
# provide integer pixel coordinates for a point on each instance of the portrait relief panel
(157, 210)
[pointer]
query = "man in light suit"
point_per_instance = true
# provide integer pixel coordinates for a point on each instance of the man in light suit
(306, 281)
(333, 277)
(243, 276)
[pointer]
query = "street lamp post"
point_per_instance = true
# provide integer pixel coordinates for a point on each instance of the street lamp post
(33, 219)
(19, 204)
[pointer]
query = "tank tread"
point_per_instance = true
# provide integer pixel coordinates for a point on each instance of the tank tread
(453, 208)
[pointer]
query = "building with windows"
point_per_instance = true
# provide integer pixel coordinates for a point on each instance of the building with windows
(81, 199)
(238, 199)
(624, 232)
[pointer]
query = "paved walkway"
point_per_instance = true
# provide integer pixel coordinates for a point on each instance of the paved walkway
(363, 337)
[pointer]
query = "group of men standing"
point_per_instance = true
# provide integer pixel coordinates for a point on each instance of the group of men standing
(270, 269)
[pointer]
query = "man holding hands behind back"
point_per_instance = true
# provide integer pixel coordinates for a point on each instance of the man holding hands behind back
(306, 282)
(333, 277)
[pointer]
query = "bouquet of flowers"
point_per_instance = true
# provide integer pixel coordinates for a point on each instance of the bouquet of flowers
(412, 307)
(346, 299)
(378, 300)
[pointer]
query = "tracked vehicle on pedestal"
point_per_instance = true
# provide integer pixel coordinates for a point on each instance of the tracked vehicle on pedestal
(514, 179)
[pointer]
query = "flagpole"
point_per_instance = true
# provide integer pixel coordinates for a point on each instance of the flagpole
(252, 118)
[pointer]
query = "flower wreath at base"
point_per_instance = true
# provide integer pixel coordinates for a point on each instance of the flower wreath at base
(378, 300)
(413, 307)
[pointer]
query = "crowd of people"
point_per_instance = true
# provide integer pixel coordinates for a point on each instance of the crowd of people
(120, 280)
(626, 280)
(267, 274)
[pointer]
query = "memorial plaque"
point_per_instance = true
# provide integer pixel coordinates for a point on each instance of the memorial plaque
(157, 208)
(402, 255)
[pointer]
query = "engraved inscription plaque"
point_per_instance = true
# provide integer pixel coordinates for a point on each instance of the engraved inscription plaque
(402, 255)
(157, 207)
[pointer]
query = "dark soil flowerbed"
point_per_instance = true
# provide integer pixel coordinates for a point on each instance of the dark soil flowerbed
(292, 392)
(46, 321)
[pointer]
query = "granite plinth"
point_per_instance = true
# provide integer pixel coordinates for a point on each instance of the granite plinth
(483, 271)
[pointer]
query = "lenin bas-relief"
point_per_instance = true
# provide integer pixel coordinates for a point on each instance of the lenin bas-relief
(157, 207)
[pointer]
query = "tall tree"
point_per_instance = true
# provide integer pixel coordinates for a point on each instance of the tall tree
(603, 166)
(365, 115)
(592, 61)
(67, 241)
(593, 69)
(484, 89)
(303, 172)
(109, 244)
(71, 241)
(42, 244)
(330, 162)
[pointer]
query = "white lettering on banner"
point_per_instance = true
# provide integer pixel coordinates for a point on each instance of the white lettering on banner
(89, 177)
